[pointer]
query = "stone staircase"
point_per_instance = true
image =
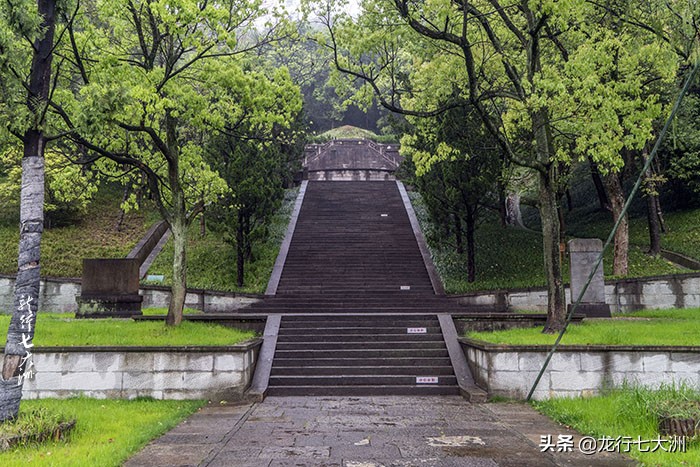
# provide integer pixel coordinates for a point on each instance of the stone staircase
(358, 311)
(361, 355)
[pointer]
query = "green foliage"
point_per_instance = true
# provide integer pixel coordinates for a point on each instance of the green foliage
(670, 328)
(256, 172)
(68, 188)
(33, 426)
(104, 434)
(511, 257)
(627, 411)
(681, 152)
(61, 329)
(212, 261)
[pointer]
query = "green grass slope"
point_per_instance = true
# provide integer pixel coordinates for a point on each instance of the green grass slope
(508, 257)
(211, 262)
(92, 236)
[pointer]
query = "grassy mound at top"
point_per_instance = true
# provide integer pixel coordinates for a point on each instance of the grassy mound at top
(353, 132)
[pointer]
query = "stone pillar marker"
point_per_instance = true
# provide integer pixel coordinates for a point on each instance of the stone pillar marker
(583, 254)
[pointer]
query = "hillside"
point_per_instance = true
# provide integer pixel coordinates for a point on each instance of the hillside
(91, 235)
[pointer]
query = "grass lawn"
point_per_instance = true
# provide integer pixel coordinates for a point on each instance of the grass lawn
(683, 235)
(631, 412)
(107, 432)
(61, 329)
(211, 262)
(94, 236)
(510, 257)
(660, 327)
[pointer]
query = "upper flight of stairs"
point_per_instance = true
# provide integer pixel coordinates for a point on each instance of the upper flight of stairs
(353, 237)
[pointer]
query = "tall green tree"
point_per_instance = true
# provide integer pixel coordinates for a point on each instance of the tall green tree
(149, 84)
(256, 162)
(537, 73)
(458, 173)
(21, 23)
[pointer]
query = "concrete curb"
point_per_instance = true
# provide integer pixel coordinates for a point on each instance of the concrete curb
(284, 248)
(422, 246)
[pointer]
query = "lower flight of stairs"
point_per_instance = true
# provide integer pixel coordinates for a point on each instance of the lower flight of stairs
(361, 355)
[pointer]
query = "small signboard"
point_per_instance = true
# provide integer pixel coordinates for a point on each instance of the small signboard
(385, 215)
(416, 330)
(426, 380)
(405, 287)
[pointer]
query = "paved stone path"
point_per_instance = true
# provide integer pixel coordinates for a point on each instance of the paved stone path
(383, 431)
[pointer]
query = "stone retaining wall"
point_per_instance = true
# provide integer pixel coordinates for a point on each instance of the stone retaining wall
(672, 291)
(58, 295)
(510, 371)
(625, 295)
(216, 373)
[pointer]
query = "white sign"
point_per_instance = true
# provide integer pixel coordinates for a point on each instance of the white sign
(416, 330)
(426, 379)
(405, 287)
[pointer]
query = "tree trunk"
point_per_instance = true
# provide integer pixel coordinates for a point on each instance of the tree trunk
(122, 212)
(17, 358)
(202, 222)
(471, 244)
(178, 226)
(654, 228)
(599, 186)
(617, 202)
(178, 290)
(653, 214)
(514, 216)
(458, 234)
(240, 251)
(502, 211)
(556, 299)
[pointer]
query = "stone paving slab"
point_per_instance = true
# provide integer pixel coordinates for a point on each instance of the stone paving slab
(387, 431)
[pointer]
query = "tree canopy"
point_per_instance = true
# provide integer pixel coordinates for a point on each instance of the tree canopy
(552, 82)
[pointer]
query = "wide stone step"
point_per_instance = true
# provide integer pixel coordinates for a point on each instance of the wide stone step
(394, 339)
(415, 390)
(363, 380)
(362, 361)
(396, 352)
(367, 345)
(445, 370)
(369, 324)
(339, 311)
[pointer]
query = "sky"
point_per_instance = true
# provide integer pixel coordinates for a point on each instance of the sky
(353, 5)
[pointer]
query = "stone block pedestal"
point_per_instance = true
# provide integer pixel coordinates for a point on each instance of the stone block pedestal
(583, 255)
(110, 289)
